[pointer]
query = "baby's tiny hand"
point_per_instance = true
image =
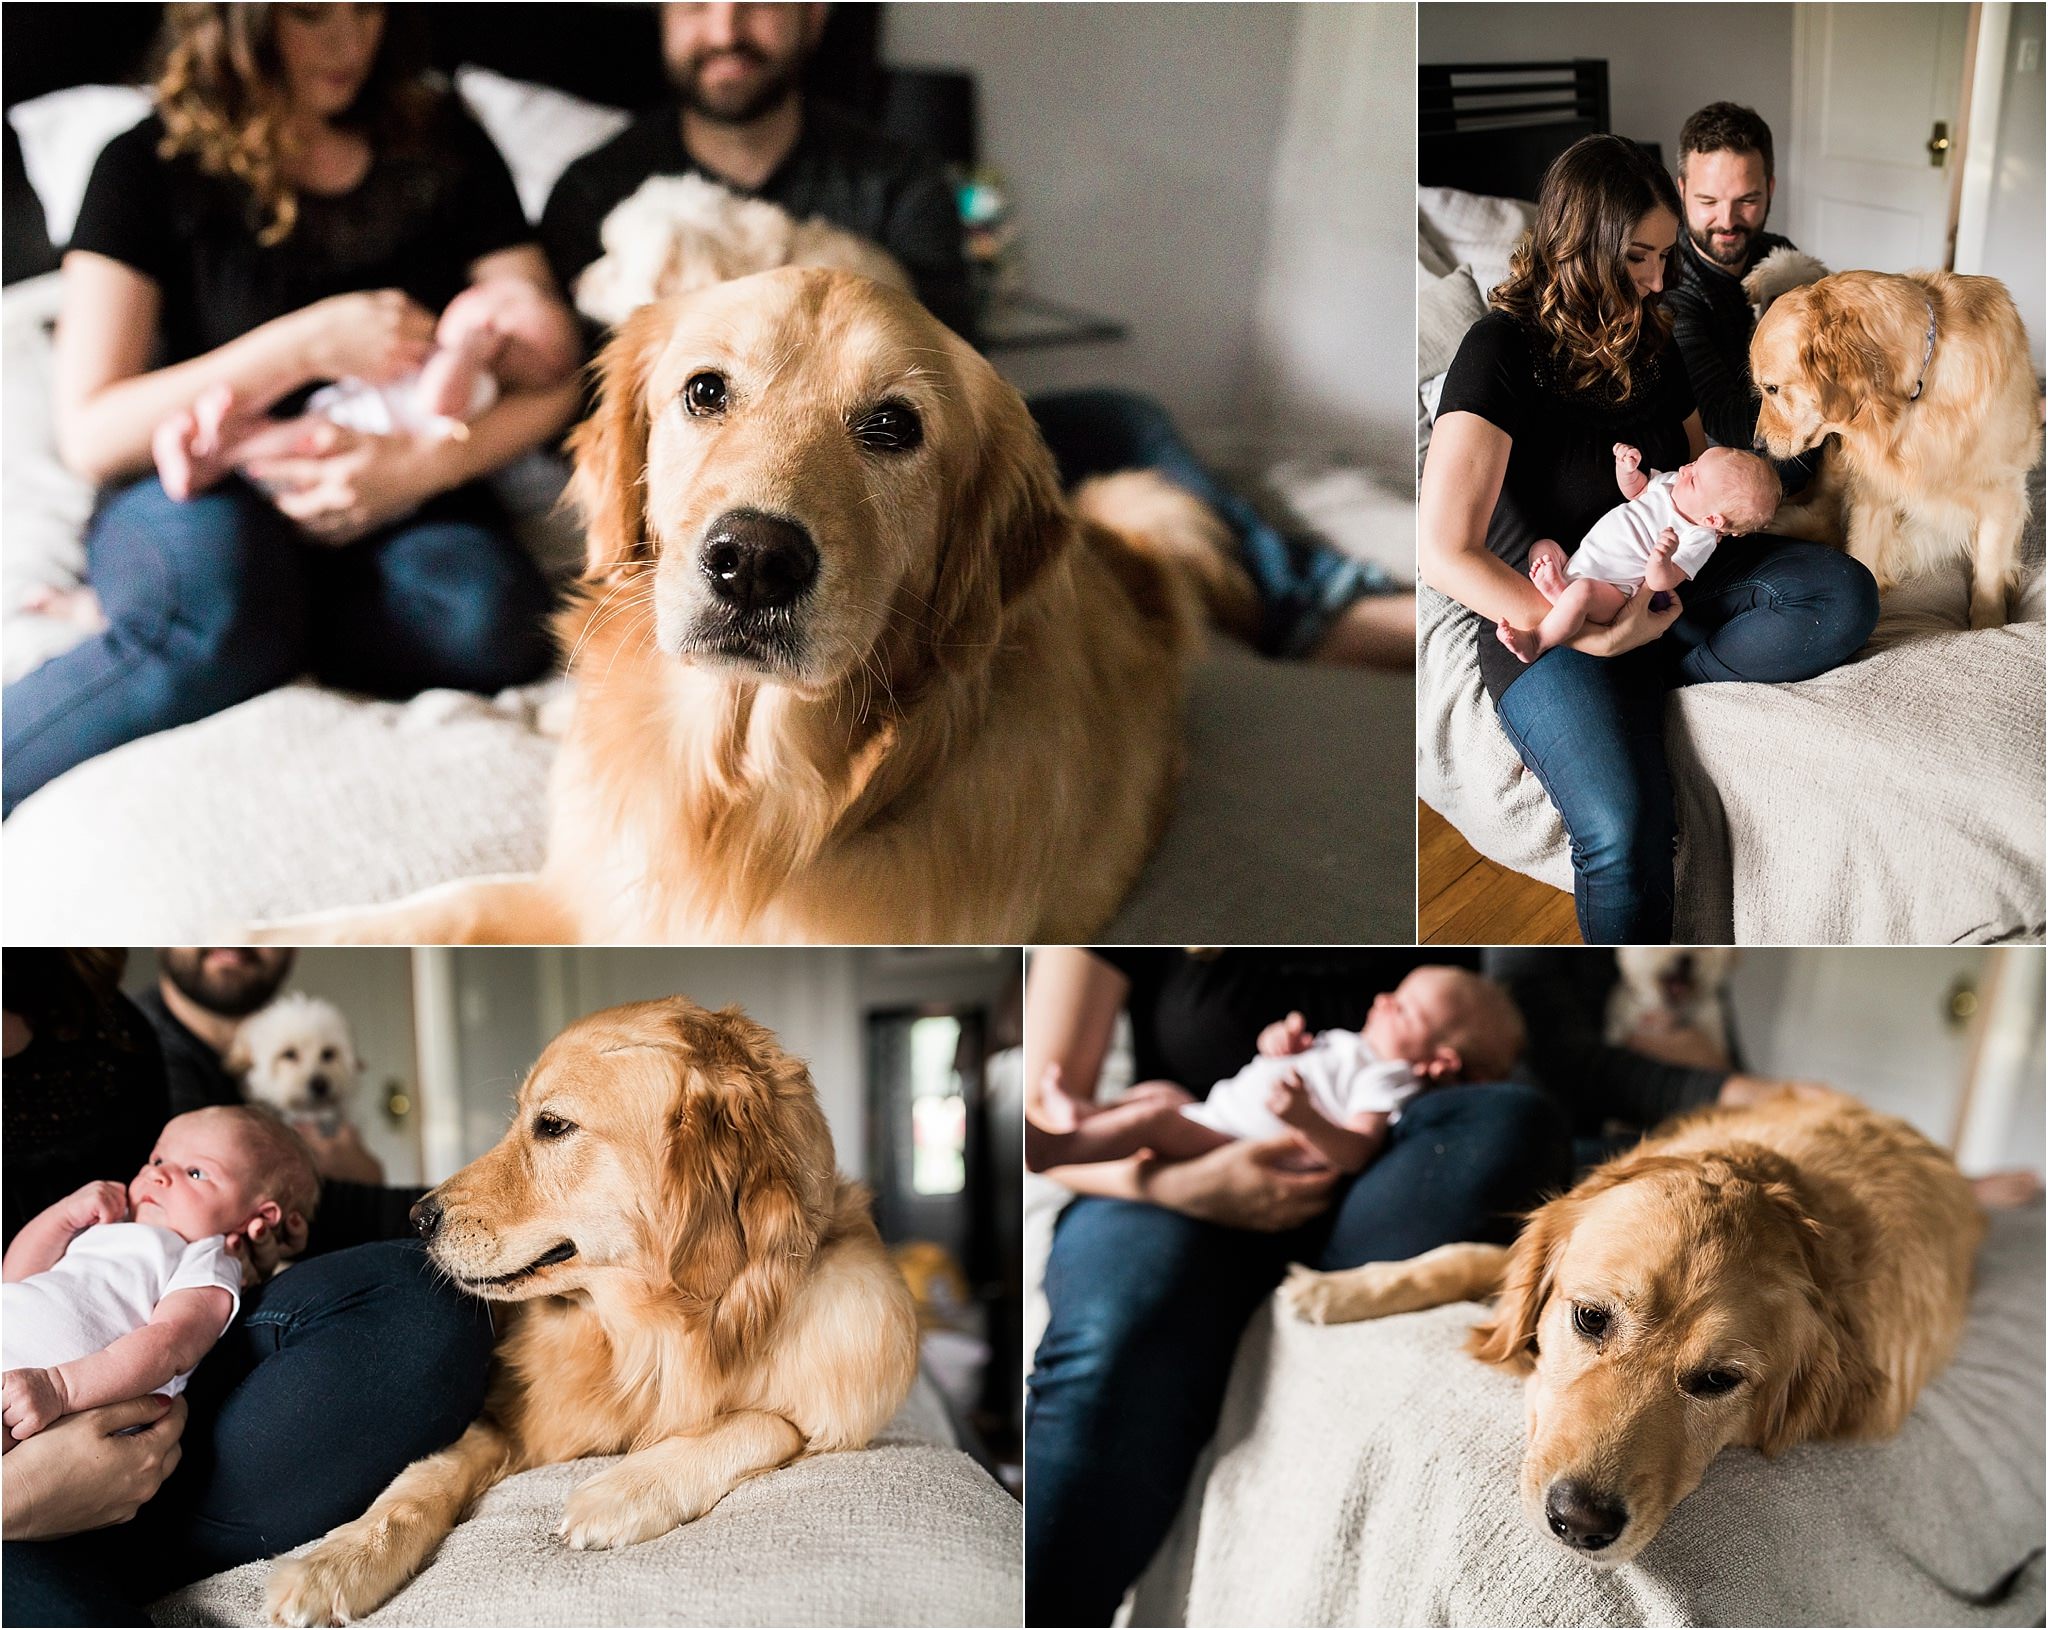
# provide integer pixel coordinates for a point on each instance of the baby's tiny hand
(1286, 1096)
(1285, 1037)
(1666, 545)
(96, 1203)
(30, 1400)
(1626, 457)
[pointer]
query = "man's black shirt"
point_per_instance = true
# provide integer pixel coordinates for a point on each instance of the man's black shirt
(1712, 322)
(840, 170)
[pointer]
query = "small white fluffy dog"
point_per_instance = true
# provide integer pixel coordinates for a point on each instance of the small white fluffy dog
(1668, 989)
(297, 1056)
(680, 232)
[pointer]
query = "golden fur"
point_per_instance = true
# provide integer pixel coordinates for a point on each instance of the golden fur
(1909, 485)
(728, 1307)
(1814, 1249)
(977, 737)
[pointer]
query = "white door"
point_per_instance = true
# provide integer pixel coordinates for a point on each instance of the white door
(1859, 186)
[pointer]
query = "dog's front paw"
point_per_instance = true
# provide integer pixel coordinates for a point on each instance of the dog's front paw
(333, 1583)
(622, 1506)
(1306, 1294)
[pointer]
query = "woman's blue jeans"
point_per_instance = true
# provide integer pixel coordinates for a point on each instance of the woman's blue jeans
(335, 1377)
(219, 598)
(1303, 584)
(1764, 609)
(1148, 1306)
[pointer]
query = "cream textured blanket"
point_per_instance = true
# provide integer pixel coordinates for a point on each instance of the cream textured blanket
(904, 1532)
(1895, 801)
(1365, 1474)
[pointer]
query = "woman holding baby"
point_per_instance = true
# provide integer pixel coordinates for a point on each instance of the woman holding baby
(303, 208)
(1560, 399)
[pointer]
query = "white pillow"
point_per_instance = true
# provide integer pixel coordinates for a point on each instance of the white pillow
(61, 137)
(1477, 231)
(539, 130)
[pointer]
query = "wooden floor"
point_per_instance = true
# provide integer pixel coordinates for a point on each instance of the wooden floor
(1465, 899)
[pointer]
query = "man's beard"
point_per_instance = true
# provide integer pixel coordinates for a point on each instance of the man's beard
(233, 991)
(740, 105)
(1727, 260)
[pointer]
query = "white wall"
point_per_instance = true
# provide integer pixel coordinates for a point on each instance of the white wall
(1140, 145)
(1663, 61)
(1878, 1024)
(1336, 309)
(2014, 243)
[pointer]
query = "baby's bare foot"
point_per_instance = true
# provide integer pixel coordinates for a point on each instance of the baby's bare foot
(1547, 568)
(2003, 1191)
(1526, 643)
(188, 447)
(79, 605)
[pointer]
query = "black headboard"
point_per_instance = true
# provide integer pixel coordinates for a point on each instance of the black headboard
(1494, 127)
(605, 52)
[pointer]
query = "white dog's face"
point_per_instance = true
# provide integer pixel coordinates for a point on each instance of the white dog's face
(297, 1056)
(1674, 976)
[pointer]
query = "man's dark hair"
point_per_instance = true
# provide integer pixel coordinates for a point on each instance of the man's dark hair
(1726, 127)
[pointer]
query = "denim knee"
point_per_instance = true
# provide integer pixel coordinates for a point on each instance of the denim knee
(482, 603)
(1625, 837)
(228, 613)
(1847, 595)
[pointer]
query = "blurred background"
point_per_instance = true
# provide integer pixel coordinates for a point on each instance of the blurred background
(912, 1052)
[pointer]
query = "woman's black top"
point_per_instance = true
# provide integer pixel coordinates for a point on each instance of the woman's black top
(1196, 1015)
(415, 222)
(1560, 475)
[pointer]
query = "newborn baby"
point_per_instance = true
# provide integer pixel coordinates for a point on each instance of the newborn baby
(1660, 537)
(113, 1293)
(501, 331)
(1335, 1094)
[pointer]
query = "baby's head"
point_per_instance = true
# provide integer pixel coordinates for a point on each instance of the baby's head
(1729, 490)
(232, 1169)
(1449, 1024)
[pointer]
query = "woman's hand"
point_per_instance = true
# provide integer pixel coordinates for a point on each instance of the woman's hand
(379, 334)
(342, 1154)
(82, 1474)
(1241, 1185)
(360, 482)
(1636, 625)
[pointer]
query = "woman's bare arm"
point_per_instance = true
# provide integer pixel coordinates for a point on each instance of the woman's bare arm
(1461, 482)
(108, 403)
(1070, 1009)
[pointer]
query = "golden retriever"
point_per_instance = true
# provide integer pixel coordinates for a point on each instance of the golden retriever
(849, 667)
(692, 1286)
(1794, 1270)
(1932, 446)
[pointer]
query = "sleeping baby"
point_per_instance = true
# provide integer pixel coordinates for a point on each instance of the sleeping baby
(1659, 537)
(113, 1293)
(1335, 1093)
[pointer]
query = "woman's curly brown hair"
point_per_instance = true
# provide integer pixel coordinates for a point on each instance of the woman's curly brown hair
(1569, 278)
(222, 97)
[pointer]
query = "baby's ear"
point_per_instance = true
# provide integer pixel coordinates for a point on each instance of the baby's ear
(1717, 521)
(1445, 1064)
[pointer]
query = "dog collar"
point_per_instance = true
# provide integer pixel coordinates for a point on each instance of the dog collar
(1926, 356)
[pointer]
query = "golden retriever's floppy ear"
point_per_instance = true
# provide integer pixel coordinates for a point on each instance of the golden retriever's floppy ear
(1830, 1383)
(1843, 352)
(1509, 1337)
(610, 448)
(1006, 520)
(752, 1157)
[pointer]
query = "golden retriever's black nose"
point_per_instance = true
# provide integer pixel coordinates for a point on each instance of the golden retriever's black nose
(1583, 1519)
(757, 562)
(426, 1217)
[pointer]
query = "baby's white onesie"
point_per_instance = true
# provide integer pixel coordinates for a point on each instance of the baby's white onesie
(1343, 1077)
(107, 1283)
(1617, 549)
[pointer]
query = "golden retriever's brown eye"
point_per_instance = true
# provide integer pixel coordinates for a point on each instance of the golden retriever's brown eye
(704, 395)
(1590, 1322)
(549, 1127)
(1712, 1383)
(894, 427)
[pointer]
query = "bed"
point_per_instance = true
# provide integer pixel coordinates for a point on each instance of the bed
(1896, 800)
(178, 836)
